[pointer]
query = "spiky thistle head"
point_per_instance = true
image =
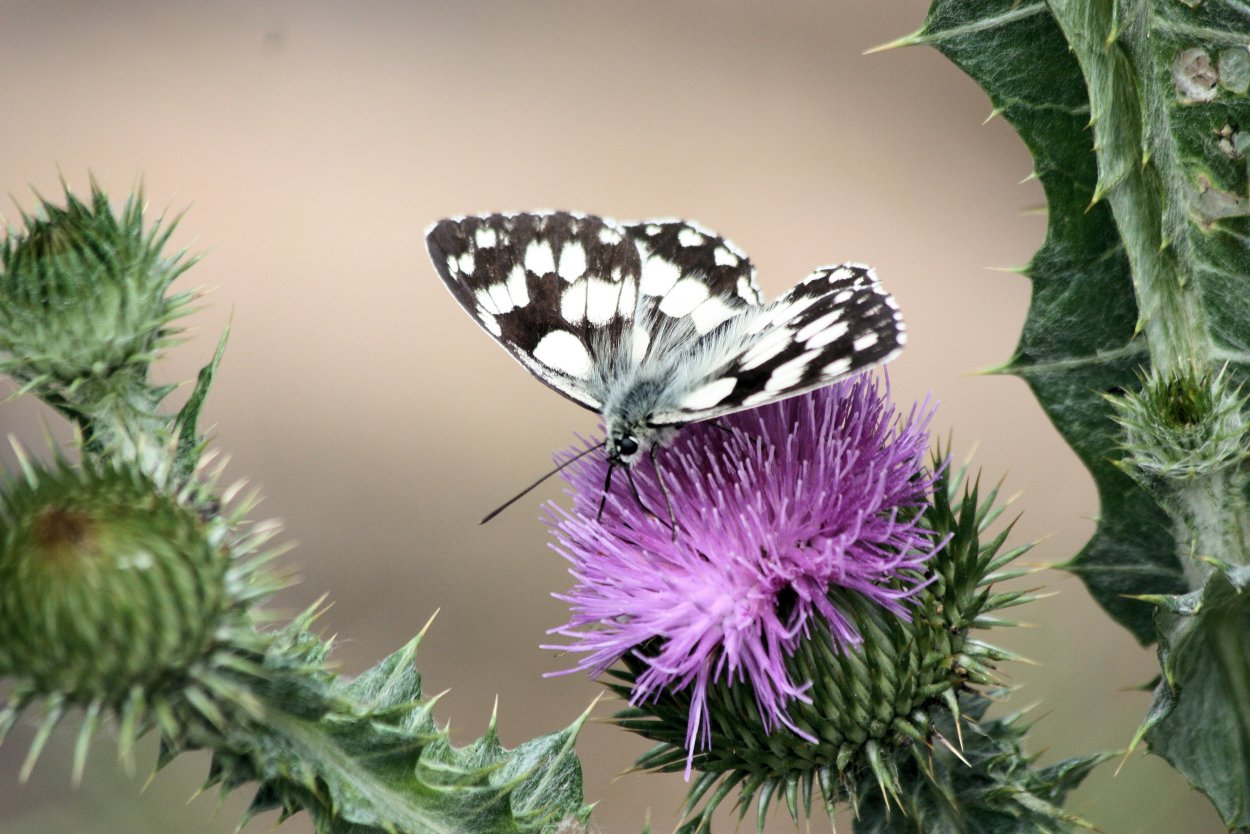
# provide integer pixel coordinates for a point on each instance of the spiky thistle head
(1181, 424)
(83, 293)
(105, 583)
(810, 618)
(118, 597)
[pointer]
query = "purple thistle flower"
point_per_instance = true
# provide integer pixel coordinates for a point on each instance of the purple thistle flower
(777, 508)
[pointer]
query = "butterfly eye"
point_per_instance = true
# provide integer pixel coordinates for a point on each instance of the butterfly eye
(626, 446)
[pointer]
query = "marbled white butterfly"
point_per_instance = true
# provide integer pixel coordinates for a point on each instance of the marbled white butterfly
(659, 323)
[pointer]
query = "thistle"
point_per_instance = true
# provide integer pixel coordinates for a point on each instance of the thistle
(130, 582)
(84, 311)
(116, 598)
(809, 626)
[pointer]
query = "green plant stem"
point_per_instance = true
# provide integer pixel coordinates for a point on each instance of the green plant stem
(1211, 516)
(1130, 156)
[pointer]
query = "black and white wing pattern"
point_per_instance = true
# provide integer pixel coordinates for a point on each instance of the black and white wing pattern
(658, 323)
(575, 298)
(836, 322)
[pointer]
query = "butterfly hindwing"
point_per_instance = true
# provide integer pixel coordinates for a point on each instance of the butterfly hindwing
(691, 273)
(836, 322)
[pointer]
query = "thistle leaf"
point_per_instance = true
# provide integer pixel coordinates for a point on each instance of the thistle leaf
(1196, 718)
(1078, 342)
(1153, 196)
(1137, 335)
(366, 755)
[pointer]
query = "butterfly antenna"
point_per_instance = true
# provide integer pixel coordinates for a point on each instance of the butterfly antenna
(668, 497)
(534, 485)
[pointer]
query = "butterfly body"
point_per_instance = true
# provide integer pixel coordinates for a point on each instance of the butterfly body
(656, 324)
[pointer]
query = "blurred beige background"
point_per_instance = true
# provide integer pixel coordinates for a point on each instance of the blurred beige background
(311, 142)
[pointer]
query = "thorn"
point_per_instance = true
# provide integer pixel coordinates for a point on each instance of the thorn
(55, 710)
(992, 370)
(1023, 269)
(1132, 748)
(946, 743)
(428, 623)
(913, 39)
(147, 782)
(82, 746)
(995, 113)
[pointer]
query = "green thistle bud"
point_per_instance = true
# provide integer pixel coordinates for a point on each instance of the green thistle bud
(1185, 442)
(105, 584)
(1182, 425)
(82, 293)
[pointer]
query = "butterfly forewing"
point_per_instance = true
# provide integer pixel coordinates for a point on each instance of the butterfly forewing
(554, 289)
(691, 274)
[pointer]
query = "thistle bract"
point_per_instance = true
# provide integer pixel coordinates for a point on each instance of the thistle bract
(791, 519)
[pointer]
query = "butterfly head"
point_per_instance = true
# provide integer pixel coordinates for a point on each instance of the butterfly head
(628, 440)
(625, 443)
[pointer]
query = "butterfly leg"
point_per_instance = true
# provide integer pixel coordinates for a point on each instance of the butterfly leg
(607, 485)
(633, 487)
(668, 498)
(629, 473)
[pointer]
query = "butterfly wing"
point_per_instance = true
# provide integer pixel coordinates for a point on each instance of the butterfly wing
(578, 299)
(557, 290)
(836, 322)
(690, 275)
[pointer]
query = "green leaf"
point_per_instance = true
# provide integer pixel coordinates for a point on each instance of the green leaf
(391, 769)
(1147, 226)
(187, 423)
(365, 756)
(1135, 111)
(1199, 718)
(1078, 341)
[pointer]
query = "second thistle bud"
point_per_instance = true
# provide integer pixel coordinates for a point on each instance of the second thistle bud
(1182, 425)
(105, 584)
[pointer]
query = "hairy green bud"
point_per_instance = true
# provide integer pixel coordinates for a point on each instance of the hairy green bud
(1185, 442)
(1181, 425)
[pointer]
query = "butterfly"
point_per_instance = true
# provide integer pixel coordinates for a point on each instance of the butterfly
(659, 323)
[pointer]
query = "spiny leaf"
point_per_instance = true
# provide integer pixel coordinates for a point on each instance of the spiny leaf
(366, 756)
(1079, 340)
(1136, 112)
(1197, 718)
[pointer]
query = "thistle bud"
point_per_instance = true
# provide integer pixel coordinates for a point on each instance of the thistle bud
(105, 584)
(82, 294)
